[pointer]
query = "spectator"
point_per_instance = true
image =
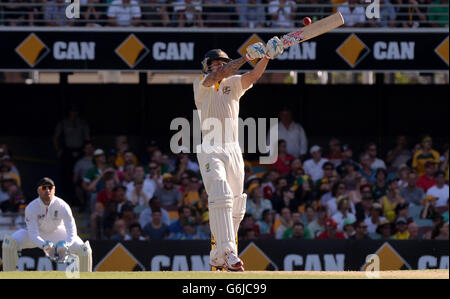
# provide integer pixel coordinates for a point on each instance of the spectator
(285, 218)
(399, 155)
(362, 187)
(6, 166)
(384, 231)
(70, 135)
(424, 155)
(411, 193)
(376, 163)
(440, 232)
(135, 233)
(126, 177)
(138, 198)
(103, 197)
(347, 158)
(335, 155)
(107, 194)
(293, 133)
(413, 230)
(403, 175)
(360, 231)
(297, 232)
(429, 210)
(6, 181)
(14, 201)
(339, 189)
(119, 232)
(427, 180)
(92, 181)
(154, 173)
(402, 211)
(91, 14)
(354, 14)
(387, 15)
(313, 166)
(402, 229)
(349, 228)
(284, 159)
(445, 215)
(188, 13)
(325, 184)
(184, 213)
(375, 218)
(111, 212)
(366, 170)
(309, 215)
(280, 183)
(344, 212)
(81, 168)
(318, 226)
(438, 15)
(331, 232)
(270, 181)
(363, 208)
(380, 189)
(282, 13)
(256, 203)
(252, 16)
(248, 234)
(220, 14)
(156, 229)
(124, 13)
(55, 15)
(145, 216)
(200, 211)
(444, 163)
(147, 189)
(248, 223)
(350, 176)
(154, 15)
(189, 232)
(190, 194)
(266, 223)
(440, 190)
(168, 194)
(391, 200)
(296, 218)
(412, 15)
(296, 166)
(183, 164)
(287, 200)
(17, 15)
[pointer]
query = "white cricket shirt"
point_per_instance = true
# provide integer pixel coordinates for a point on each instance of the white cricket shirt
(42, 219)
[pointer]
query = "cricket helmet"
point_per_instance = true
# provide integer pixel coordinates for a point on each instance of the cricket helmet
(213, 55)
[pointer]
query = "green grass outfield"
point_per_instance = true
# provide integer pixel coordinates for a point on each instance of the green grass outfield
(417, 274)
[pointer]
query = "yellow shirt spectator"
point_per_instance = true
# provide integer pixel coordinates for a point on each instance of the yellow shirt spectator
(420, 158)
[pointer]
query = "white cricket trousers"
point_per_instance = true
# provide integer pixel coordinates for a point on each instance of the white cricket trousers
(222, 170)
(24, 241)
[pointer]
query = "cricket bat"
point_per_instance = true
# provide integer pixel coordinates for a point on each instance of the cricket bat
(315, 29)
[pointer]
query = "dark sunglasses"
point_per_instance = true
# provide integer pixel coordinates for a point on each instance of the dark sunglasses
(43, 188)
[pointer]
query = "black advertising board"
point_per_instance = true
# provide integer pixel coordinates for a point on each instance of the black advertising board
(279, 255)
(181, 50)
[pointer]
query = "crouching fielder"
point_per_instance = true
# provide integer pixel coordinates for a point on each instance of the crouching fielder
(217, 94)
(51, 227)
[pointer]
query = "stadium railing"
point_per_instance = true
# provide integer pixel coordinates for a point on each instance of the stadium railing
(211, 15)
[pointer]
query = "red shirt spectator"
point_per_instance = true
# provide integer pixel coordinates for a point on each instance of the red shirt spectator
(106, 194)
(331, 231)
(427, 180)
(283, 163)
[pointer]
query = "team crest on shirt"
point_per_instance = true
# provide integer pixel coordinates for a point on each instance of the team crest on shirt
(208, 168)
(55, 215)
(226, 90)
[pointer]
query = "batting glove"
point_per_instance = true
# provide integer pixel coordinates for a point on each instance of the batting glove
(254, 51)
(274, 47)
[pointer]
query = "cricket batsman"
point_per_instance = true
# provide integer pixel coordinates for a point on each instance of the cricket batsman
(217, 93)
(49, 226)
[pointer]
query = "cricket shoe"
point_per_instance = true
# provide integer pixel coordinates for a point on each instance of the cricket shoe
(234, 263)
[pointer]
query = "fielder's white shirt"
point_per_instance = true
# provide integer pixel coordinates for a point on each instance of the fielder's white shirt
(441, 194)
(221, 102)
(41, 219)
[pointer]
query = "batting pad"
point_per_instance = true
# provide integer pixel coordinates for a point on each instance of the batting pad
(221, 224)
(239, 208)
(85, 255)
(9, 254)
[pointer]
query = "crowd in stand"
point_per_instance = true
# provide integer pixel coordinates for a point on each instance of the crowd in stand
(310, 192)
(222, 13)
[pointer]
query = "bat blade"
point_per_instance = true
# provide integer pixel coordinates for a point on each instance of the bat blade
(315, 29)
